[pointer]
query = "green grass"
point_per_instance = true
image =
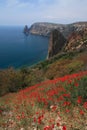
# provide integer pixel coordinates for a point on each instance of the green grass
(12, 80)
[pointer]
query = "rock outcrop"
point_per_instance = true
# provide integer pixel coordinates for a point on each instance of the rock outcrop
(56, 43)
(77, 40)
(70, 37)
(45, 29)
(26, 30)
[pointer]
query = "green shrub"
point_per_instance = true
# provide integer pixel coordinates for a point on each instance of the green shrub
(82, 89)
(77, 88)
(10, 81)
(74, 66)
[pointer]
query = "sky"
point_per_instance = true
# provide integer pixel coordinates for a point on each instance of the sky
(27, 12)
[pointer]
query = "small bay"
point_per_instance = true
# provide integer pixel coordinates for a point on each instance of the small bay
(18, 50)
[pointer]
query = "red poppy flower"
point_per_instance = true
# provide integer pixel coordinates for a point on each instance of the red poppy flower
(81, 112)
(64, 127)
(79, 100)
(85, 105)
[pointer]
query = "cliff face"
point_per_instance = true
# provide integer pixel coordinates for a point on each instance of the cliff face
(56, 43)
(77, 40)
(70, 37)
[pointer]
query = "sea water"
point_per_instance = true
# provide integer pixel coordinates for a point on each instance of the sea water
(18, 50)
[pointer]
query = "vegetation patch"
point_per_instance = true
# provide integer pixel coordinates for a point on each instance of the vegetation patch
(55, 104)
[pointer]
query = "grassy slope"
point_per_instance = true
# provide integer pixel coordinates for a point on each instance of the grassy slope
(64, 63)
(60, 65)
(59, 103)
(61, 99)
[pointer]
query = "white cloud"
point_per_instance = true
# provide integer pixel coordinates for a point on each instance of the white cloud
(24, 11)
(12, 3)
(17, 4)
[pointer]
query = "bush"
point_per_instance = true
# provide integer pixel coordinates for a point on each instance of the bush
(10, 81)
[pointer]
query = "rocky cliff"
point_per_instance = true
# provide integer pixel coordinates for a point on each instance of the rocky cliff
(45, 29)
(26, 30)
(66, 37)
(56, 43)
(77, 40)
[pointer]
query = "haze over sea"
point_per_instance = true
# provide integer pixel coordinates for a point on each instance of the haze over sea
(17, 50)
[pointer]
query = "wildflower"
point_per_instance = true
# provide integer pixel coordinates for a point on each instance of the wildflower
(37, 113)
(85, 105)
(18, 117)
(64, 127)
(34, 119)
(66, 95)
(23, 115)
(53, 108)
(0, 111)
(81, 112)
(58, 113)
(47, 128)
(39, 120)
(52, 125)
(76, 84)
(79, 100)
(69, 81)
(58, 124)
(67, 110)
(66, 103)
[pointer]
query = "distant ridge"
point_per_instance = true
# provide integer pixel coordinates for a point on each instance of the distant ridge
(45, 28)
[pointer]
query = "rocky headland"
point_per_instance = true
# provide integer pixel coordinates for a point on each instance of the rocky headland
(44, 28)
(62, 37)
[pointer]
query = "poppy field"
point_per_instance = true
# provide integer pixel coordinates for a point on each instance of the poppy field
(59, 104)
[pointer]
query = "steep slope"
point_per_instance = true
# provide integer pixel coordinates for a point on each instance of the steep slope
(68, 38)
(59, 104)
(61, 64)
(56, 42)
(77, 40)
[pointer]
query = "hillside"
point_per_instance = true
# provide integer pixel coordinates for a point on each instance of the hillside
(59, 104)
(65, 56)
(77, 40)
(56, 98)
(64, 63)
(56, 43)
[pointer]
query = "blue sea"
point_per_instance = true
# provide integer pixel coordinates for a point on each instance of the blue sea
(18, 50)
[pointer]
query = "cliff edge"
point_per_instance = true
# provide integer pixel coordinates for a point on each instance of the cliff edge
(56, 43)
(66, 37)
